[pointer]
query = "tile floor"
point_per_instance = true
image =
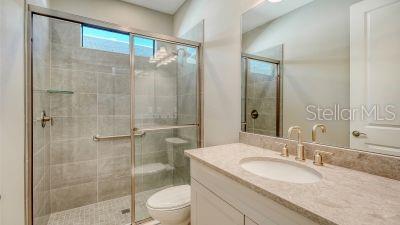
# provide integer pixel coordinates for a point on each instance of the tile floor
(101, 213)
(151, 223)
(104, 213)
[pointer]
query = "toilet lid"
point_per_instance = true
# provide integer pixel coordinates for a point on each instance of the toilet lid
(170, 198)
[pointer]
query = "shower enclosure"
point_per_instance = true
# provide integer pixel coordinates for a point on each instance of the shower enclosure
(110, 112)
(261, 95)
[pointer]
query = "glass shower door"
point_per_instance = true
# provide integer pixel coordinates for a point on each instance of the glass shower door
(166, 116)
(81, 117)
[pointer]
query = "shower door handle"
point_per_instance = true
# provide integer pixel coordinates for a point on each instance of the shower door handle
(137, 132)
(105, 138)
(44, 119)
(142, 131)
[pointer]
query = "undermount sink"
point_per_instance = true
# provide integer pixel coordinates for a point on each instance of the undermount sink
(282, 170)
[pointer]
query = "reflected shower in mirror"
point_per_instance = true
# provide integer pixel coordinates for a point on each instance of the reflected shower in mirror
(308, 62)
(261, 97)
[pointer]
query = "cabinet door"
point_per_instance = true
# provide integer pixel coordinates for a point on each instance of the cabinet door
(207, 208)
(248, 221)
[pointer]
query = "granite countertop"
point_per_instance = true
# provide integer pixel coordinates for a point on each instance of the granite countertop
(342, 196)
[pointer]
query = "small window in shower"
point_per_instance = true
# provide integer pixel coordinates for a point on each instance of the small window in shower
(105, 40)
(144, 46)
(262, 68)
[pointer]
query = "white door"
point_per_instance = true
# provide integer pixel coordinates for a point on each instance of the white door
(209, 209)
(375, 75)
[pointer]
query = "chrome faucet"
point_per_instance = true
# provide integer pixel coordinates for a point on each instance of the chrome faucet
(314, 131)
(300, 156)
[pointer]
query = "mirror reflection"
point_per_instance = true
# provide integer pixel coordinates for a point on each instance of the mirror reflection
(328, 65)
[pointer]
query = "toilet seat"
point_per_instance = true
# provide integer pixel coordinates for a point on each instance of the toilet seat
(172, 198)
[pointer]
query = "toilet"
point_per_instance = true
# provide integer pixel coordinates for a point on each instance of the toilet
(171, 206)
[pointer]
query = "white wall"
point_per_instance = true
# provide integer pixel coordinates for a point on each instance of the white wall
(118, 12)
(222, 46)
(12, 111)
(316, 40)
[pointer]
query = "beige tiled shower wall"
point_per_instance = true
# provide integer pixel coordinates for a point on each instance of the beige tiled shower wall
(80, 171)
(187, 102)
(155, 106)
(187, 114)
(83, 171)
(41, 138)
(155, 92)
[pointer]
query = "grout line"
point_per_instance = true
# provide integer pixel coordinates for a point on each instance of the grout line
(69, 163)
(91, 116)
(61, 67)
(97, 144)
(50, 127)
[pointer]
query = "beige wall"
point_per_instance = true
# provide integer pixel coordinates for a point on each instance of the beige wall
(117, 12)
(221, 63)
(41, 3)
(316, 63)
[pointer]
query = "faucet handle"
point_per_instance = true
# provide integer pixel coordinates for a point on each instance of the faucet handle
(280, 147)
(301, 154)
(285, 151)
(318, 160)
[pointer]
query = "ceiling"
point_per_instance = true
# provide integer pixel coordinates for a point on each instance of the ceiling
(165, 6)
(267, 11)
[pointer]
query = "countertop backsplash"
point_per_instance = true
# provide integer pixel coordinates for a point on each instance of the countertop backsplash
(372, 163)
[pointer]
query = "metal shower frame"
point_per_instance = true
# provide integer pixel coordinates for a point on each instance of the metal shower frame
(35, 10)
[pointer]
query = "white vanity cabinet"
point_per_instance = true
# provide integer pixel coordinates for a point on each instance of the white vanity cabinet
(219, 200)
(207, 208)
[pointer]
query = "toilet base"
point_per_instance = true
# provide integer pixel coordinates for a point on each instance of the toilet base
(173, 217)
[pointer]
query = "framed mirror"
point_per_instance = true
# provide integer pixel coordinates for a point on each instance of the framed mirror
(333, 63)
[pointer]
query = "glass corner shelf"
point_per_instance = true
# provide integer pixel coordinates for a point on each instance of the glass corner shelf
(53, 91)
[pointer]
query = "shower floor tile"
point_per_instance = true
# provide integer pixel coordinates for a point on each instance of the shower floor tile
(101, 213)
(104, 213)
